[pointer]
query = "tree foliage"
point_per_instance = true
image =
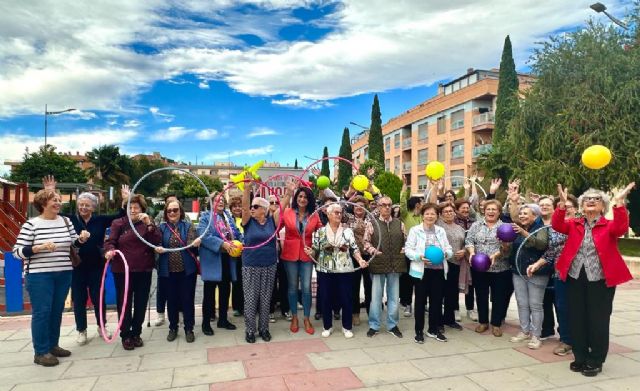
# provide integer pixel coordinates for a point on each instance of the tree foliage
(390, 185)
(46, 161)
(587, 92)
(376, 147)
(345, 169)
(153, 184)
(109, 166)
(186, 186)
(325, 170)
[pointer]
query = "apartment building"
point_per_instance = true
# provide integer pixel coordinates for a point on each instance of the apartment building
(454, 127)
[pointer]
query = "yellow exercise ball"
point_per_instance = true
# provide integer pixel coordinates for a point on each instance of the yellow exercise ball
(596, 157)
(434, 170)
(236, 251)
(360, 183)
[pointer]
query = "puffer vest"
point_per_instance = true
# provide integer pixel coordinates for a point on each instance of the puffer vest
(391, 243)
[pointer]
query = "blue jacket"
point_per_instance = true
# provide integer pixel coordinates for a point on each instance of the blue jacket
(189, 261)
(210, 257)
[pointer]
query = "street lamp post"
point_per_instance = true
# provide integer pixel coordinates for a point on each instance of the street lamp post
(601, 8)
(358, 125)
(47, 113)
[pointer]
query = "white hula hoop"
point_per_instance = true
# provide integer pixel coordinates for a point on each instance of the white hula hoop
(132, 192)
(373, 220)
(515, 260)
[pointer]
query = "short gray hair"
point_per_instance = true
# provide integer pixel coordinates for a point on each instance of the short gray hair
(533, 207)
(595, 193)
(332, 207)
(91, 197)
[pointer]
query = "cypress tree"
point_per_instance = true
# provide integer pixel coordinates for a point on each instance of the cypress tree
(295, 165)
(344, 168)
(325, 164)
(507, 100)
(376, 149)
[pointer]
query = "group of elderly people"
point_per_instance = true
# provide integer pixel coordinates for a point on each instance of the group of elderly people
(564, 243)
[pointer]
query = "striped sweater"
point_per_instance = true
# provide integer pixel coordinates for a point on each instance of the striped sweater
(38, 231)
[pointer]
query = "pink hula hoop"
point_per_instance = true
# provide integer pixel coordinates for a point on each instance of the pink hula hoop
(124, 301)
(302, 181)
(306, 170)
(261, 184)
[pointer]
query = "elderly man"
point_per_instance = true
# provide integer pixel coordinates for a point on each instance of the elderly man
(387, 266)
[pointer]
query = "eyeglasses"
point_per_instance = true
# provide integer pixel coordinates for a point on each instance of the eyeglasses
(255, 206)
(173, 210)
(448, 211)
(570, 207)
(273, 203)
(337, 213)
(593, 198)
(385, 205)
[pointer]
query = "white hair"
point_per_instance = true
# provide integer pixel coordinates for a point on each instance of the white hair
(533, 207)
(91, 197)
(595, 193)
(333, 207)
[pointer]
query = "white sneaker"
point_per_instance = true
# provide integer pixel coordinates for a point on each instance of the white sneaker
(159, 319)
(272, 318)
(407, 311)
(82, 338)
(535, 343)
(347, 333)
(473, 315)
(520, 337)
(106, 330)
(457, 315)
(326, 333)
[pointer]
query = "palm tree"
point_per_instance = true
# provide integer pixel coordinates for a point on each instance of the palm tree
(109, 166)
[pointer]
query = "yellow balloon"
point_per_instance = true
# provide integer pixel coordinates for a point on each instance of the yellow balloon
(236, 251)
(360, 183)
(596, 157)
(375, 189)
(434, 170)
(368, 196)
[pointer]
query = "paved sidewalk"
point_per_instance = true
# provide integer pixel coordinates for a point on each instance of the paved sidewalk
(468, 362)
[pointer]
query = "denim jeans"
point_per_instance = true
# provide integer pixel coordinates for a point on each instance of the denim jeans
(529, 296)
(562, 311)
(83, 279)
(47, 292)
(375, 310)
(302, 270)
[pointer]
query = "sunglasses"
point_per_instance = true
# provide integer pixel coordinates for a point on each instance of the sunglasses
(173, 210)
(255, 206)
(273, 203)
(593, 198)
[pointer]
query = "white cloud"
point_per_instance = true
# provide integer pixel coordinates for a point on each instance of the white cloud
(257, 132)
(163, 117)
(297, 103)
(203, 85)
(132, 123)
(207, 134)
(246, 152)
(178, 133)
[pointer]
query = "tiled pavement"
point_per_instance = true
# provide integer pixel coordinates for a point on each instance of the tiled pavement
(469, 361)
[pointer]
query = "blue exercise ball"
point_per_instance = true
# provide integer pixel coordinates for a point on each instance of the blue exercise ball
(434, 254)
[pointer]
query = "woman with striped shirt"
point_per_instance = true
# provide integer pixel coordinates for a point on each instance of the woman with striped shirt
(44, 243)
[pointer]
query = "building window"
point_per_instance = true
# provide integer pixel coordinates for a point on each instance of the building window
(387, 164)
(396, 165)
(423, 156)
(457, 119)
(423, 131)
(441, 153)
(387, 144)
(457, 149)
(366, 153)
(422, 182)
(457, 179)
(396, 140)
(442, 126)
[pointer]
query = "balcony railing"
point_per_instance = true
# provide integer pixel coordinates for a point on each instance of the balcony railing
(406, 143)
(487, 118)
(406, 166)
(480, 149)
(457, 124)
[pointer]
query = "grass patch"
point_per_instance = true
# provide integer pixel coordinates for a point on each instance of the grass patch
(629, 247)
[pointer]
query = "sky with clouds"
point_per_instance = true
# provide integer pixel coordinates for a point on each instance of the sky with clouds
(212, 80)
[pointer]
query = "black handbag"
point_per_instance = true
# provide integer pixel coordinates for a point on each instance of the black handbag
(74, 255)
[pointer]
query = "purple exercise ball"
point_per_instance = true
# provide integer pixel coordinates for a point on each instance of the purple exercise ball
(506, 233)
(481, 262)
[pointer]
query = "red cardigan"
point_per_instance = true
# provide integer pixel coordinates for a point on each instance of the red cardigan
(293, 247)
(605, 237)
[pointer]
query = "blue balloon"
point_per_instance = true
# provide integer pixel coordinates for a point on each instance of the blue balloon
(434, 254)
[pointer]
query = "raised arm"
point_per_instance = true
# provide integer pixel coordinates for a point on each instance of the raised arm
(246, 204)
(620, 224)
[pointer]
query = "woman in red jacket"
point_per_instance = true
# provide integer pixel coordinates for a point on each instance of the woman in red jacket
(299, 226)
(592, 266)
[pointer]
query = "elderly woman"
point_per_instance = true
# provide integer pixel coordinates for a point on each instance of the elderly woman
(336, 249)
(237, 299)
(455, 237)
(592, 266)
(464, 219)
(529, 262)
(482, 238)
(179, 268)
(141, 261)
(44, 243)
(259, 264)
(429, 277)
(299, 226)
(87, 275)
(218, 267)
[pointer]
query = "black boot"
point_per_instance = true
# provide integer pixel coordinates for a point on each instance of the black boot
(206, 328)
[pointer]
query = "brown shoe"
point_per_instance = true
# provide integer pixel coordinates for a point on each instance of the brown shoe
(496, 331)
(481, 328)
(356, 320)
(59, 352)
(46, 360)
(137, 342)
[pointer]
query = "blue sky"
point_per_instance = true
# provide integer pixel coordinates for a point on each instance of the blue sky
(249, 80)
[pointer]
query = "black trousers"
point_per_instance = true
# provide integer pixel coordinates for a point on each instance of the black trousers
(406, 286)
(432, 286)
(469, 298)
(83, 279)
(181, 294)
(549, 322)
(209, 294)
(237, 294)
(501, 286)
(590, 305)
(451, 293)
(335, 296)
(137, 299)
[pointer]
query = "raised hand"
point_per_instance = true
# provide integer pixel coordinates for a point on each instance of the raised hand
(622, 194)
(371, 172)
(124, 192)
(316, 172)
(562, 194)
(49, 182)
(495, 185)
